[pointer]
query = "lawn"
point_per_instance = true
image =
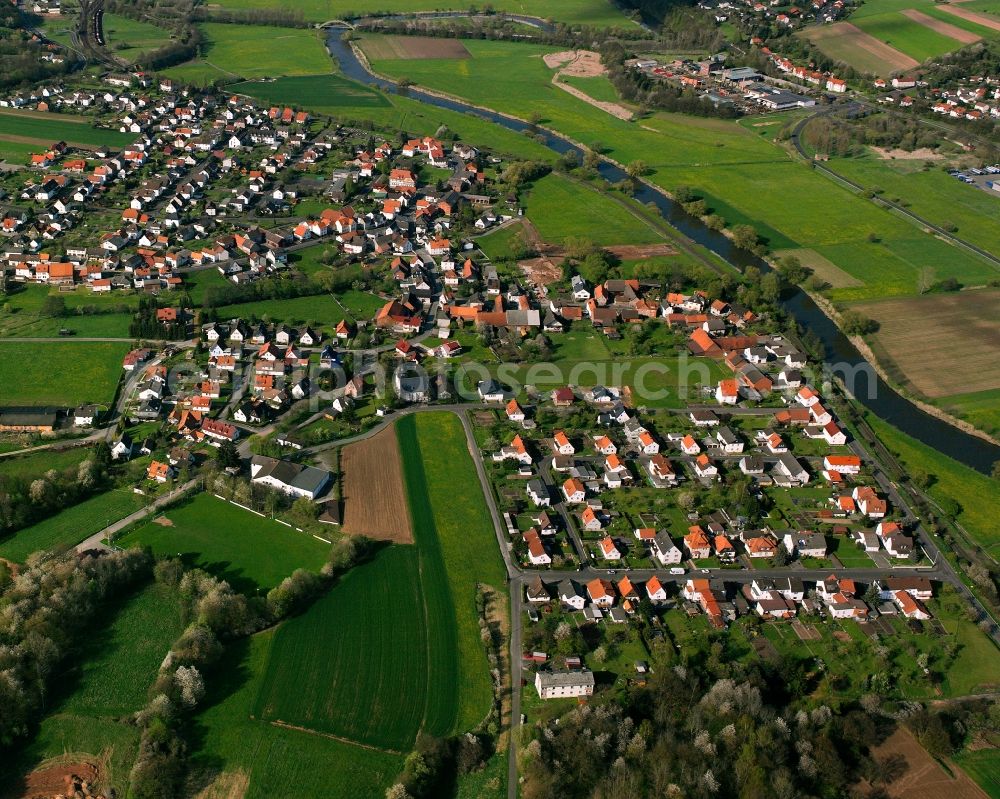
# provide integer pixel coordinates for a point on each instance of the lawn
(248, 551)
(253, 51)
(723, 161)
(454, 532)
(369, 683)
(105, 682)
(72, 129)
(59, 373)
(497, 244)
(129, 39)
(266, 760)
(583, 12)
(71, 526)
(561, 208)
(906, 35)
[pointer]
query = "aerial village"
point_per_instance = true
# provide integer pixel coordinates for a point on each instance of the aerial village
(743, 496)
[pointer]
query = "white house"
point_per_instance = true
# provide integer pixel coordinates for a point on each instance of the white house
(561, 684)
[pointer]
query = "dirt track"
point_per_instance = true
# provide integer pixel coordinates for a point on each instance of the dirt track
(373, 491)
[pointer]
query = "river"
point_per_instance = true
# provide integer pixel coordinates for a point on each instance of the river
(840, 354)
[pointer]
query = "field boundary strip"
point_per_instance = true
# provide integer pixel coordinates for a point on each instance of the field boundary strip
(329, 735)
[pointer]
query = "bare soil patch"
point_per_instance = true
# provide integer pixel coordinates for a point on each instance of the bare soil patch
(943, 344)
(633, 251)
(924, 777)
(920, 154)
(413, 47)
(576, 63)
(944, 28)
(61, 778)
(163, 521)
(372, 489)
(972, 16)
(540, 271)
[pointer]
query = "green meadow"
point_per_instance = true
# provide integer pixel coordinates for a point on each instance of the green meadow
(55, 127)
(561, 208)
(59, 373)
(248, 551)
(314, 91)
(454, 532)
(129, 38)
(253, 51)
(263, 760)
(356, 664)
(906, 35)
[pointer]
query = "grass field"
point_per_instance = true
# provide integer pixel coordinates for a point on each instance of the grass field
(37, 463)
(137, 37)
(422, 665)
(59, 373)
(921, 334)
(584, 12)
(264, 760)
(561, 208)
(16, 152)
(327, 91)
(983, 765)
(906, 35)
(72, 525)
(847, 43)
(975, 492)
(248, 551)
(598, 87)
(724, 161)
(372, 685)
(931, 193)
(980, 408)
(72, 129)
(106, 682)
(252, 51)
(455, 534)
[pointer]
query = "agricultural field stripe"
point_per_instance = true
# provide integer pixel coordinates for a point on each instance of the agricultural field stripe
(441, 710)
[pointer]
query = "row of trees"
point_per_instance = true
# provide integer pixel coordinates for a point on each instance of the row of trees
(218, 615)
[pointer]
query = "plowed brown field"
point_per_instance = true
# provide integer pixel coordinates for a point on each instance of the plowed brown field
(373, 493)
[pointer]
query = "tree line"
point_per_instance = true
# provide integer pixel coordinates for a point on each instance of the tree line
(218, 616)
(47, 611)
